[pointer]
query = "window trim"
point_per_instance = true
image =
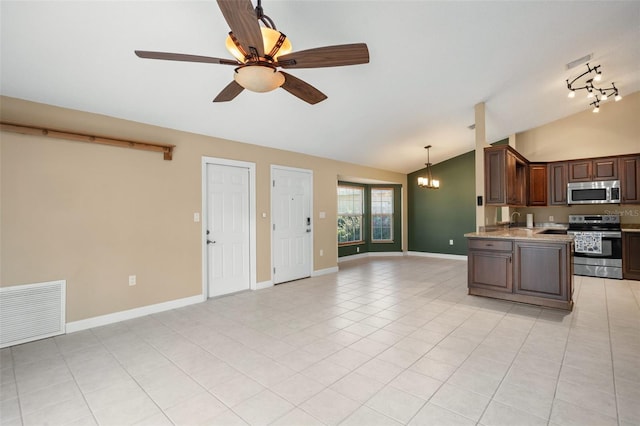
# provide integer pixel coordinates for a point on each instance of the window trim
(362, 215)
(391, 215)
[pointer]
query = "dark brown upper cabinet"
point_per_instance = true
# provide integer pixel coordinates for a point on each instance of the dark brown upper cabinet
(538, 185)
(558, 178)
(588, 170)
(505, 172)
(630, 179)
(510, 180)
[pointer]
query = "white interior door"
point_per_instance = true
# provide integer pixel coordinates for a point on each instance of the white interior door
(291, 226)
(228, 233)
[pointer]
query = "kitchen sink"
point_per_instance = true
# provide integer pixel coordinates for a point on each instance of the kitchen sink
(554, 231)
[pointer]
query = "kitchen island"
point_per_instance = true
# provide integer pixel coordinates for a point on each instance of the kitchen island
(528, 265)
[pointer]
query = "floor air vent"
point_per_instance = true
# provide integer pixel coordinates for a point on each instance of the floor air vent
(31, 312)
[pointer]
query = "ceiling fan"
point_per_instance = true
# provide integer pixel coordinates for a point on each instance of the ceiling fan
(261, 50)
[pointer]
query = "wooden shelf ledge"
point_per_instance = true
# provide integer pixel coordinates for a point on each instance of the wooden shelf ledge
(166, 149)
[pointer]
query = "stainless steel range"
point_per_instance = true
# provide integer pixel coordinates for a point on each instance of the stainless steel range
(597, 245)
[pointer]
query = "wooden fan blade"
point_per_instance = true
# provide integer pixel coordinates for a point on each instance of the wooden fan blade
(243, 22)
(186, 58)
(302, 90)
(329, 56)
(232, 90)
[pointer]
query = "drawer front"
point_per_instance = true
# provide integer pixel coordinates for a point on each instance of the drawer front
(498, 245)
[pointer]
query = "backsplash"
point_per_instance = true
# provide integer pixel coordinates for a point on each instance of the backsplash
(629, 213)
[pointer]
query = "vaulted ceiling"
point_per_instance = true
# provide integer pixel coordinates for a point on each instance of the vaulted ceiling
(431, 62)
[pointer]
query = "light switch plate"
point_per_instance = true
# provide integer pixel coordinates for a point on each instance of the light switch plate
(196, 217)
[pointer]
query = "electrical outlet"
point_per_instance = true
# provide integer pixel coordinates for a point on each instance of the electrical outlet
(551, 218)
(196, 217)
(321, 252)
(357, 249)
(132, 280)
(450, 242)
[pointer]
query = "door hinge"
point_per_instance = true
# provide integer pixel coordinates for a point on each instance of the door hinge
(274, 183)
(274, 271)
(274, 226)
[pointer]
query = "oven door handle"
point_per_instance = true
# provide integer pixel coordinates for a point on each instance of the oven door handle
(605, 234)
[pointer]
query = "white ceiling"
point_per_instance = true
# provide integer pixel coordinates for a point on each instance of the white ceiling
(431, 62)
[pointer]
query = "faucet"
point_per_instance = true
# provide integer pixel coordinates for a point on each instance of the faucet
(512, 222)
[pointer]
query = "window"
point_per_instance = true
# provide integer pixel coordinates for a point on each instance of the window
(350, 210)
(381, 214)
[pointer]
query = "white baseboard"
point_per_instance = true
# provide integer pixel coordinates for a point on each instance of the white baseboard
(264, 284)
(132, 313)
(325, 271)
(352, 257)
(385, 254)
(438, 255)
(370, 254)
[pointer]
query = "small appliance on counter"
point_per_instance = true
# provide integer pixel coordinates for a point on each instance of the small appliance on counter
(598, 245)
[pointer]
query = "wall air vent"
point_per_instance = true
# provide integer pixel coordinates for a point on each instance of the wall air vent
(31, 312)
(579, 61)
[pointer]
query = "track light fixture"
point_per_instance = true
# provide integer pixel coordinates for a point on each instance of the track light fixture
(598, 93)
(429, 181)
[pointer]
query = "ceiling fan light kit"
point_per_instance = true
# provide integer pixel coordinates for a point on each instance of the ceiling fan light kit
(259, 78)
(270, 38)
(261, 50)
(598, 94)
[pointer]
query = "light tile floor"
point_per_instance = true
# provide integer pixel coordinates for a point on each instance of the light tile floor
(385, 341)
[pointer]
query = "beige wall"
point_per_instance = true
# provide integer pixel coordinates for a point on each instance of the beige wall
(94, 215)
(615, 130)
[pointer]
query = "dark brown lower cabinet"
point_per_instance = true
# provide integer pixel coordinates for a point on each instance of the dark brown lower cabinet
(631, 255)
(490, 265)
(535, 272)
(542, 269)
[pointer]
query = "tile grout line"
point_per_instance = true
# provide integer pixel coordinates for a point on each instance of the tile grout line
(458, 367)
(511, 366)
(613, 363)
(75, 380)
(15, 380)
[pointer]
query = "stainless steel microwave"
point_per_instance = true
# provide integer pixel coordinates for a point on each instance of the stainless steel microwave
(596, 192)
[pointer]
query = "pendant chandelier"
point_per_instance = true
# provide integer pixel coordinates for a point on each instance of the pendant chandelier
(428, 181)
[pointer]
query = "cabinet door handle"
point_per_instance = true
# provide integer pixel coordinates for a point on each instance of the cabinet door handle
(509, 259)
(489, 245)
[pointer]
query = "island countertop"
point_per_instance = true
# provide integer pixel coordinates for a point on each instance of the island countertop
(535, 234)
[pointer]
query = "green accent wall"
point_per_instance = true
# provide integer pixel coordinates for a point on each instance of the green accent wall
(437, 216)
(367, 246)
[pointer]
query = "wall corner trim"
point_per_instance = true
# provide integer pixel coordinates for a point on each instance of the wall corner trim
(132, 313)
(438, 255)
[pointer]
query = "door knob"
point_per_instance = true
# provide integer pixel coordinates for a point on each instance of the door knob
(210, 242)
